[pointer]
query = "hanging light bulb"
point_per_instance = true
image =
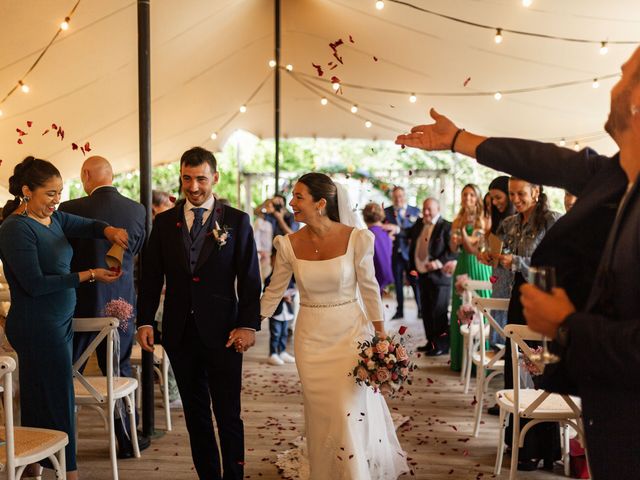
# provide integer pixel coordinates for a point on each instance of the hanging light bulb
(272, 63)
(368, 124)
(214, 135)
(354, 109)
(604, 49)
(497, 96)
(595, 83)
(0, 113)
(24, 87)
(498, 37)
(576, 146)
(323, 101)
(336, 86)
(527, 3)
(289, 67)
(563, 142)
(413, 98)
(243, 108)
(379, 5)
(65, 24)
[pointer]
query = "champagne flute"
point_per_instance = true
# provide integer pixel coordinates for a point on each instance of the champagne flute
(545, 279)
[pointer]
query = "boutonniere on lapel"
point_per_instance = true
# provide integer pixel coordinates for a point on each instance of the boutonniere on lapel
(221, 235)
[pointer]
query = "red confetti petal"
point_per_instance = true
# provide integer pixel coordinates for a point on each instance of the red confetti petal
(402, 329)
(172, 199)
(87, 147)
(318, 69)
(54, 126)
(338, 57)
(429, 380)
(74, 146)
(82, 150)
(375, 59)
(333, 66)
(410, 172)
(29, 123)
(335, 79)
(466, 82)
(20, 141)
(413, 273)
(45, 132)
(493, 279)
(21, 132)
(351, 39)
(336, 44)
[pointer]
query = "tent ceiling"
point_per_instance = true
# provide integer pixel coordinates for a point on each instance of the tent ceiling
(208, 57)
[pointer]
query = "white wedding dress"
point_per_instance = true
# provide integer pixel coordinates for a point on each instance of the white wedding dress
(349, 430)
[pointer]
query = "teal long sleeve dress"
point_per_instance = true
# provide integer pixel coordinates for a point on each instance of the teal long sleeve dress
(36, 260)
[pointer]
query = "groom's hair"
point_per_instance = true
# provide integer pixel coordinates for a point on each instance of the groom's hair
(197, 156)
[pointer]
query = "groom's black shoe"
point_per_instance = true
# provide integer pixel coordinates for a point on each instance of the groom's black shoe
(436, 352)
(143, 444)
(425, 348)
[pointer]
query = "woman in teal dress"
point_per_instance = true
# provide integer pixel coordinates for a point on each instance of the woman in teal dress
(468, 222)
(36, 257)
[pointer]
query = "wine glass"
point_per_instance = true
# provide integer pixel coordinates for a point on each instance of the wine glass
(545, 279)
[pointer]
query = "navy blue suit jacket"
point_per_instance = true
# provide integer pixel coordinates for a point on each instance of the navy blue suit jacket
(210, 291)
(108, 205)
(401, 241)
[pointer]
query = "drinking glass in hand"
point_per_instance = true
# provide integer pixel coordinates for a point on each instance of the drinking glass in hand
(545, 279)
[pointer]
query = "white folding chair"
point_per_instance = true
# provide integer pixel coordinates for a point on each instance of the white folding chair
(470, 286)
(25, 445)
(529, 403)
(161, 369)
(483, 361)
(102, 392)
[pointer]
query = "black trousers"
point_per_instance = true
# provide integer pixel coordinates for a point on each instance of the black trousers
(210, 379)
(435, 299)
(401, 268)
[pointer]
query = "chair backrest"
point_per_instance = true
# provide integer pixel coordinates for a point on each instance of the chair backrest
(478, 285)
(485, 305)
(7, 367)
(106, 328)
(479, 339)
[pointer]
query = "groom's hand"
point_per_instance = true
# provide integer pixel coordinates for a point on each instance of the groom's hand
(145, 338)
(241, 339)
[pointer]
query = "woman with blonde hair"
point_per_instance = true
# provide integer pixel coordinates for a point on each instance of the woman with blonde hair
(467, 228)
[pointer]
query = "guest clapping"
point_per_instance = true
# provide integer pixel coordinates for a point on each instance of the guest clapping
(36, 257)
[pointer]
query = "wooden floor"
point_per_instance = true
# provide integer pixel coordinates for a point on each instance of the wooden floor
(436, 439)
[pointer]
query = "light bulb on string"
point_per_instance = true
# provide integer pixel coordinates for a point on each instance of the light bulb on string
(498, 37)
(368, 124)
(272, 63)
(595, 83)
(0, 113)
(354, 109)
(65, 24)
(335, 86)
(604, 49)
(563, 142)
(323, 101)
(497, 96)
(413, 98)
(243, 108)
(289, 67)
(576, 146)
(214, 135)
(24, 87)
(527, 3)
(379, 5)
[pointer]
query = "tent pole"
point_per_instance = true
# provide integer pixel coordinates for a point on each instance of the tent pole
(144, 119)
(276, 135)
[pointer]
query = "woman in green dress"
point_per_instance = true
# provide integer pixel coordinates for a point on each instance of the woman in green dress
(468, 224)
(36, 257)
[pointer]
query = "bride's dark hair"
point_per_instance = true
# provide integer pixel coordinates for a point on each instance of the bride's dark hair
(321, 186)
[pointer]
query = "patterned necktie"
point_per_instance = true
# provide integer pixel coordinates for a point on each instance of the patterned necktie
(198, 212)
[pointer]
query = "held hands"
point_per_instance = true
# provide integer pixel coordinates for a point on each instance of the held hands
(545, 311)
(145, 338)
(437, 136)
(118, 236)
(241, 339)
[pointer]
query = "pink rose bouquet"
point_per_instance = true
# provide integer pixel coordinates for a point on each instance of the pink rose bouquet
(383, 364)
(530, 366)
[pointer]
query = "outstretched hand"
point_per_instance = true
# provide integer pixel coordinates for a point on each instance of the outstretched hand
(437, 136)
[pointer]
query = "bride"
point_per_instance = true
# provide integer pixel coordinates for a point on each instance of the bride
(350, 433)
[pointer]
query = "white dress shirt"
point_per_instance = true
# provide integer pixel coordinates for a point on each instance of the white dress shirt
(188, 214)
(423, 241)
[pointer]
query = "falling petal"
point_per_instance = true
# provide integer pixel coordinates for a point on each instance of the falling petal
(74, 146)
(172, 199)
(318, 69)
(351, 39)
(54, 126)
(29, 123)
(82, 150)
(87, 147)
(45, 132)
(20, 141)
(413, 273)
(410, 172)
(375, 59)
(402, 329)
(466, 82)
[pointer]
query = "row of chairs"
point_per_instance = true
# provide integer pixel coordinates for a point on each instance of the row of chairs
(527, 403)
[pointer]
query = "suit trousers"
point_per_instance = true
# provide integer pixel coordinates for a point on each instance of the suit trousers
(210, 379)
(401, 268)
(435, 301)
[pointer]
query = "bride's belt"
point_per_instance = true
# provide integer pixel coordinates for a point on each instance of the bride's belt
(327, 305)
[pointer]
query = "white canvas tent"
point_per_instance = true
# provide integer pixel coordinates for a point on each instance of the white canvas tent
(208, 58)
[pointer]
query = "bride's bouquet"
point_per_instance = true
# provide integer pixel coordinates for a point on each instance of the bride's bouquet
(384, 363)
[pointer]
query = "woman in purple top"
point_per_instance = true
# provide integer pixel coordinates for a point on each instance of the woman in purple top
(373, 215)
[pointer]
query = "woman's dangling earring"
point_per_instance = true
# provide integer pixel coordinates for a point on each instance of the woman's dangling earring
(25, 212)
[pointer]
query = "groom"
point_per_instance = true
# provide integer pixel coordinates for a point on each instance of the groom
(206, 254)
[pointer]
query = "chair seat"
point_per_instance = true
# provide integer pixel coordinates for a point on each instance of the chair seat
(497, 365)
(32, 444)
(136, 354)
(122, 386)
(552, 406)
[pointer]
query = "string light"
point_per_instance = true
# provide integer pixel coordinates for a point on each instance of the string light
(576, 146)
(65, 24)
(354, 109)
(497, 96)
(379, 5)
(289, 67)
(0, 113)
(604, 49)
(368, 124)
(563, 142)
(595, 83)
(243, 108)
(272, 63)
(323, 101)
(24, 87)
(413, 98)
(335, 86)
(498, 37)
(527, 3)
(214, 135)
